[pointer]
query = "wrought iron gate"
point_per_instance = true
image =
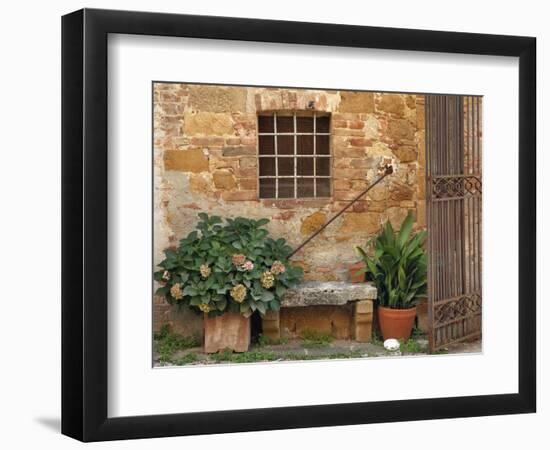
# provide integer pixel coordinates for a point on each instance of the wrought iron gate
(453, 179)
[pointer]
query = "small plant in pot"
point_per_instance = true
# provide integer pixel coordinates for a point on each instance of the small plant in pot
(227, 270)
(356, 272)
(396, 264)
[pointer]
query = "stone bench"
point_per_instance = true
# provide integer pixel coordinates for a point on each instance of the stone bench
(324, 296)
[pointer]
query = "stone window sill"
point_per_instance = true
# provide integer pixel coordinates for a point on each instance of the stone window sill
(292, 203)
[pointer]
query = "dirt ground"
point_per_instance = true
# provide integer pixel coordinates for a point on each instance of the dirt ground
(299, 349)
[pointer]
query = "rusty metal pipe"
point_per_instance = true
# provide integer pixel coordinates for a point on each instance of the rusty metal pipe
(388, 170)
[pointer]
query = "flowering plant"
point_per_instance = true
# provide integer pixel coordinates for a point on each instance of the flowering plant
(232, 266)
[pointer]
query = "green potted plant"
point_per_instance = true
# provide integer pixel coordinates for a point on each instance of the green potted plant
(227, 270)
(396, 264)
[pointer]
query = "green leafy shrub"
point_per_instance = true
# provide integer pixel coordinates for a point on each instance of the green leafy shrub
(396, 263)
(227, 266)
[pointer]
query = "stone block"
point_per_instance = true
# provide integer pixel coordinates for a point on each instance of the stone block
(193, 160)
(233, 141)
(341, 184)
(366, 223)
(405, 153)
(239, 196)
(247, 173)
(313, 293)
(409, 204)
(364, 307)
(347, 132)
(349, 173)
(372, 127)
(378, 193)
(246, 184)
(400, 129)
(356, 124)
(360, 142)
(309, 319)
(380, 149)
(208, 124)
(332, 320)
(313, 222)
(362, 320)
(271, 325)
(239, 150)
(356, 102)
(346, 195)
(248, 162)
(228, 331)
(396, 215)
(198, 184)
(224, 179)
(217, 99)
(392, 103)
(362, 163)
(345, 152)
(359, 185)
(339, 123)
(210, 141)
(400, 192)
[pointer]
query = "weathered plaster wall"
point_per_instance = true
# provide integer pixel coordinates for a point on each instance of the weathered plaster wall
(205, 153)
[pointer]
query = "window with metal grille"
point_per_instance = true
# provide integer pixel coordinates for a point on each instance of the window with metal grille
(294, 155)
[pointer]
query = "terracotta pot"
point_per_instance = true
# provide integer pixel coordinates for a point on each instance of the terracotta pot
(354, 277)
(396, 323)
(228, 331)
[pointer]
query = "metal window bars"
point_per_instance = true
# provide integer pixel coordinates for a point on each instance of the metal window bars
(310, 174)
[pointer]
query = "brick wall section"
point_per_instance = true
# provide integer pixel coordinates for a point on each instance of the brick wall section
(205, 148)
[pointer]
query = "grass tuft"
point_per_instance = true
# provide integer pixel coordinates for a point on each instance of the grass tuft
(262, 341)
(312, 338)
(188, 358)
(168, 343)
(412, 346)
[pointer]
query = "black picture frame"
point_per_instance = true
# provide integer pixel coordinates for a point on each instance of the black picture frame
(84, 224)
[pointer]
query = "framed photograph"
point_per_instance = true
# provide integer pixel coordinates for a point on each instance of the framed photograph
(273, 225)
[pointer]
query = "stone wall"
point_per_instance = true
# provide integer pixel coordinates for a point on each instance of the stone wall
(205, 159)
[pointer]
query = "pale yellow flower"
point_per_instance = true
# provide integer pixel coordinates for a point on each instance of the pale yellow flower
(176, 291)
(238, 293)
(205, 271)
(267, 279)
(166, 275)
(204, 308)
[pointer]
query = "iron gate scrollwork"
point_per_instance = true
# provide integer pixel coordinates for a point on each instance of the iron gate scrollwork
(454, 188)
